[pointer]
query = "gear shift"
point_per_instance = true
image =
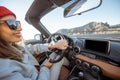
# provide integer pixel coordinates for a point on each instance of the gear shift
(81, 75)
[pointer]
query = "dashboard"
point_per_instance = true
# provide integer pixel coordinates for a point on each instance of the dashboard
(104, 50)
(92, 59)
(103, 55)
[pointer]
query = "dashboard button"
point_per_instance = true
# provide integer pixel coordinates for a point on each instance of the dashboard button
(86, 65)
(95, 69)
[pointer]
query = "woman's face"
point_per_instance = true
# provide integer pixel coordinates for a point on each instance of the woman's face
(8, 34)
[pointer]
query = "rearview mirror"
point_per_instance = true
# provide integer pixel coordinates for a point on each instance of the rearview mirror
(76, 7)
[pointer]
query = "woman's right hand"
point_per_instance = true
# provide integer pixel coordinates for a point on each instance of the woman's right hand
(61, 44)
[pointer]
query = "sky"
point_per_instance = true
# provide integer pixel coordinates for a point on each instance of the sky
(105, 13)
(108, 12)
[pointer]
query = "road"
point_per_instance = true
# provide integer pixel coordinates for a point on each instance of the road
(106, 36)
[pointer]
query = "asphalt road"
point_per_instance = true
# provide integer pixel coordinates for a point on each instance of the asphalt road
(106, 36)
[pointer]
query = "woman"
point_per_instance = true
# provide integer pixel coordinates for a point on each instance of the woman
(16, 62)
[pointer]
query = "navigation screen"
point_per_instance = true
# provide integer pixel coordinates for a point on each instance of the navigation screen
(98, 46)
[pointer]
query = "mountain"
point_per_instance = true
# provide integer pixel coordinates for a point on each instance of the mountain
(92, 28)
(116, 26)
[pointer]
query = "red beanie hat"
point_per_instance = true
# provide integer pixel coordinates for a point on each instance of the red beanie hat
(4, 12)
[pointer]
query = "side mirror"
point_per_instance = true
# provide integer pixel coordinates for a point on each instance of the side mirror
(37, 36)
(40, 37)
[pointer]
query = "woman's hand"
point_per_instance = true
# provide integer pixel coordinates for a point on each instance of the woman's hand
(47, 64)
(61, 44)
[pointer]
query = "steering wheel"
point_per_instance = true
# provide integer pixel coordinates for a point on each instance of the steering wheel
(55, 38)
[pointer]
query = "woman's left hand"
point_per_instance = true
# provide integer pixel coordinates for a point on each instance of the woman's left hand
(47, 64)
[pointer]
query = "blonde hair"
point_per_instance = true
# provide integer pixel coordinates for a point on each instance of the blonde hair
(9, 51)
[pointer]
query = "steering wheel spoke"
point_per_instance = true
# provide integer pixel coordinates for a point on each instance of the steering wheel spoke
(60, 53)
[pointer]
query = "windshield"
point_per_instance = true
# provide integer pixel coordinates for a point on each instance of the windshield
(101, 22)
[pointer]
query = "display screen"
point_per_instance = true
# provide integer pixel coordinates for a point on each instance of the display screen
(97, 46)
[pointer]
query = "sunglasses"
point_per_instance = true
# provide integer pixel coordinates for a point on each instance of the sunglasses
(12, 24)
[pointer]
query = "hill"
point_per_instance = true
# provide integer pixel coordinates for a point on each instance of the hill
(92, 28)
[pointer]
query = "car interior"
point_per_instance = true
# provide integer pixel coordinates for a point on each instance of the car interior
(89, 58)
